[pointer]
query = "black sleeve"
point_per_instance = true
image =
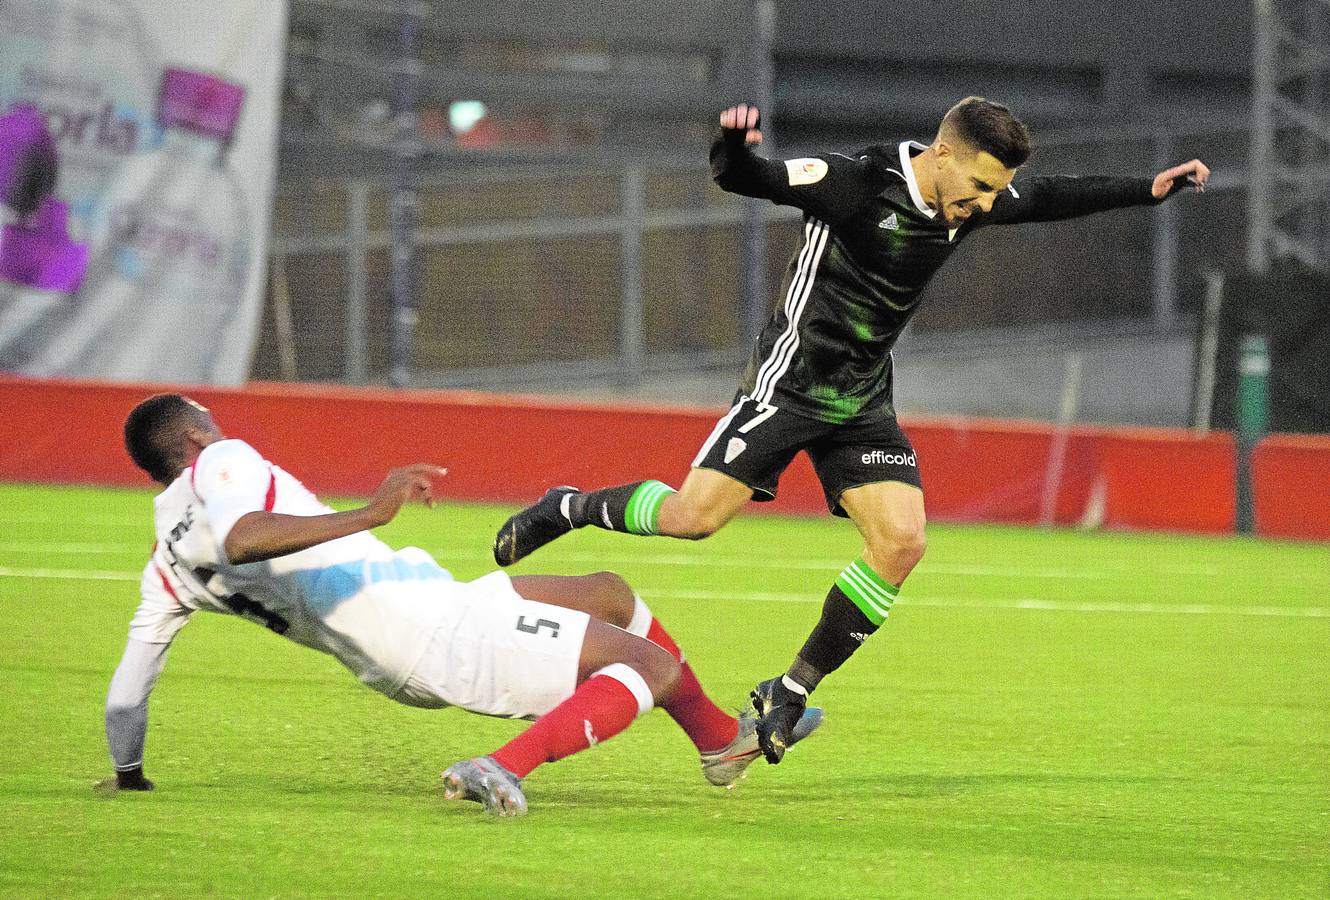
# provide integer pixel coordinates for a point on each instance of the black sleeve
(828, 186)
(1053, 197)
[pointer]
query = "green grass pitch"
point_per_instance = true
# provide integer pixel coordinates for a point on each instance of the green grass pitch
(1045, 714)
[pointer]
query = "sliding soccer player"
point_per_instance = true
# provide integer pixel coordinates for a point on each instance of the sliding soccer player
(236, 534)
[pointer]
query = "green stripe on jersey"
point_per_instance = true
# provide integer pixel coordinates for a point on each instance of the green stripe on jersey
(640, 516)
(867, 590)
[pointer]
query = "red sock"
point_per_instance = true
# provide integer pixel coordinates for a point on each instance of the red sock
(600, 708)
(706, 724)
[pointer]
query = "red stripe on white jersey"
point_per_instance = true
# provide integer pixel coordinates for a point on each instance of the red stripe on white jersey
(166, 584)
(271, 499)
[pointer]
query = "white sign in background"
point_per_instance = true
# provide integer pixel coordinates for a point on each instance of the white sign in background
(165, 117)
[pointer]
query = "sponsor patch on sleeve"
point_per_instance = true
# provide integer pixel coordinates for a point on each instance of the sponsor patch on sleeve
(805, 171)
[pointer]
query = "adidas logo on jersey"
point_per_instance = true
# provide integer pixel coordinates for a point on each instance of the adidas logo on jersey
(890, 223)
(734, 448)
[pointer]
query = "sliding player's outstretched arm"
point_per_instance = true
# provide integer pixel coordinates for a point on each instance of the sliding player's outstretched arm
(127, 713)
(259, 534)
(1049, 198)
(159, 617)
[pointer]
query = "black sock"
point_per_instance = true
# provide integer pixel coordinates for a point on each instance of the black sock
(842, 630)
(603, 508)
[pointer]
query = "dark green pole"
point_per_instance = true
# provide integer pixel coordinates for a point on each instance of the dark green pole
(1253, 417)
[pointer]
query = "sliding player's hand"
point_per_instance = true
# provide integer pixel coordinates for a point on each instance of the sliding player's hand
(408, 484)
(1192, 174)
(742, 118)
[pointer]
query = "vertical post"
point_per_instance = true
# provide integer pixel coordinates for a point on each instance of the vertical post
(1057, 450)
(1314, 149)
(753, 232)
(282, 320)
(1165, 276)
(632, 343)
(403, 209)
(1260, 203)
(356, 370)
(1207, 352)
(1253, 415)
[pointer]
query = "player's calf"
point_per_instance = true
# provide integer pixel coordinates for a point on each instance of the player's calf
(693, 523)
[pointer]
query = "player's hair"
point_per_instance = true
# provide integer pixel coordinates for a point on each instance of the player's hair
(991, 127)
(153, 430)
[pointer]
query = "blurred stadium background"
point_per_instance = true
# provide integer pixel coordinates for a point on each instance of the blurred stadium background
(569, 236)
(515, 198)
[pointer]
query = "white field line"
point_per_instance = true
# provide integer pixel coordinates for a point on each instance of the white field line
(908, 600)
(945, 602)
(71, 574)
(715, 561)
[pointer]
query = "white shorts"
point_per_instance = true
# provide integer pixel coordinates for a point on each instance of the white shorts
(498, 653)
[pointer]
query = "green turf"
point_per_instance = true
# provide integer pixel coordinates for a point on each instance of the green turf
(1044, 714)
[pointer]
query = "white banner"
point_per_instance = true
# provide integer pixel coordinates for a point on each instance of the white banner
(165, 119)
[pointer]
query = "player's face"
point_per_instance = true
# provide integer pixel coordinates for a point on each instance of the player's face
(968, 181)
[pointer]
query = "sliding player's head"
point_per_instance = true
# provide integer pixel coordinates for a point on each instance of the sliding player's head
(978, 148)
(164, 434)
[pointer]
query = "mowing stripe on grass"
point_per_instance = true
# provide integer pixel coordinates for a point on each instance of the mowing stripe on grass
(1191, 609)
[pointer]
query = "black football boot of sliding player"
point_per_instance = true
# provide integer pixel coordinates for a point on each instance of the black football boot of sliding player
(778, 711)
(533, 527)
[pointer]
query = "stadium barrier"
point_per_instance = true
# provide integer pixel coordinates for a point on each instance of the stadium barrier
(510, 448)
(1291, 481)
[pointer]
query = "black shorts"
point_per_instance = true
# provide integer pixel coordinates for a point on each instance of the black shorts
(754, 443)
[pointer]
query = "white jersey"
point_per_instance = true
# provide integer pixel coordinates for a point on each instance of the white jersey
(336, 597)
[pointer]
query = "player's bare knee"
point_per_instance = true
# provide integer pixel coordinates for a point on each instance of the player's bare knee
(613, 598)
(897, 550)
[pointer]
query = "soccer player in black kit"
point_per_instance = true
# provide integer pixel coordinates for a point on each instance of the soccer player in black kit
(877, 225)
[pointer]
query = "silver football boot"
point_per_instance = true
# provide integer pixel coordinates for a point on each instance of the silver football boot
(727, 765)
(486, 782)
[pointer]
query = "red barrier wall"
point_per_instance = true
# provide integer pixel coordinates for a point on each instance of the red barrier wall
(1291, 481)
(1171, 480)
(503, 447)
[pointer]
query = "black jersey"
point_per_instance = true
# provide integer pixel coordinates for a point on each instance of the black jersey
(870, 245)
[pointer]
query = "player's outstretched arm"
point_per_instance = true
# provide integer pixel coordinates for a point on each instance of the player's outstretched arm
(1055, 197)
(261, 535)
(127, 714)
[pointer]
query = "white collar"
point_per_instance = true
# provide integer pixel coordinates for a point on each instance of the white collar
(907, 171)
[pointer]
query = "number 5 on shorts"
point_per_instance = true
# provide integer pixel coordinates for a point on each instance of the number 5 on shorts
(764, 412)
(523, 625)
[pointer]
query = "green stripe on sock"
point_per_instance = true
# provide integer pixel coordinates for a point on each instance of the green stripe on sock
(640, 516)
(868, 591)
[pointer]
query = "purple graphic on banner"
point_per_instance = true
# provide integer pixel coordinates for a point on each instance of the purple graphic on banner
(35, 251)
(27, 159)
(38, 252)
(200, 103)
